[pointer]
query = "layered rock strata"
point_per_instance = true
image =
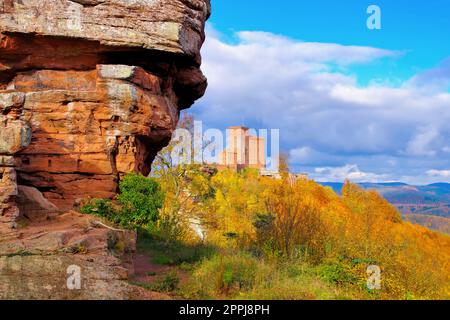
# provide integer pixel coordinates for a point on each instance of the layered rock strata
(91, 90)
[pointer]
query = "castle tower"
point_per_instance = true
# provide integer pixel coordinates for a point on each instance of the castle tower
(256, 152)
(243, 150)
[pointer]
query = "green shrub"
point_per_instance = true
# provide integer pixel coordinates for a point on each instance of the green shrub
(337, 272)
(141, 199)
(100, 207)
(103, 208)
(168, 283)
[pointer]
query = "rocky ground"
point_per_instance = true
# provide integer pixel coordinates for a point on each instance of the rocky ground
(36, 261)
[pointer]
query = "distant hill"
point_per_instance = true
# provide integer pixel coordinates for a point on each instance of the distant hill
(416, 201)
(402, 193)
(441, 224)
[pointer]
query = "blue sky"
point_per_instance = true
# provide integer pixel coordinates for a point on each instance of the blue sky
(420, 28)
(369, 105)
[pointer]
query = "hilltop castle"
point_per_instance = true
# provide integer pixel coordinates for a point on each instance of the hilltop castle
(243, 151)
(248, 151)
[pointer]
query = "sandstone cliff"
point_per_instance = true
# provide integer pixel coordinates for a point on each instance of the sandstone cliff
(89, 90)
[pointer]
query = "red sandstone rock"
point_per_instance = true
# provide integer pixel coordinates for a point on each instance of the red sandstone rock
(104, 257)
(91, 90)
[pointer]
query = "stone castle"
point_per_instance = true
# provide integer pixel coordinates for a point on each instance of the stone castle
(243, 151)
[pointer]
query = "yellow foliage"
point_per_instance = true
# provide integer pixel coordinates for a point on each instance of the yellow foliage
(311, 222)
(305, 221)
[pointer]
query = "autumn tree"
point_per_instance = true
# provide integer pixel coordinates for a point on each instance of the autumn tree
(297, 223)
(184, 184)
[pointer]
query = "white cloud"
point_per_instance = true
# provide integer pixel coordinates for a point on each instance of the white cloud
(439, 173)
(422, 143)
(308, 91)
(435, 80)
(348, 172)
(253, 41)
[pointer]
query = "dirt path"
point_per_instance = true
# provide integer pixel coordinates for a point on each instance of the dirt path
(148, 273)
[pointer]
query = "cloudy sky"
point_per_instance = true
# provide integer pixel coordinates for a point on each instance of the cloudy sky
(350, 103)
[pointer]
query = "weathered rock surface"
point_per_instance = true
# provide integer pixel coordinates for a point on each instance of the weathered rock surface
(89, 90)
(33, 206)
(165, 25)
(36, 263)
(89, 127)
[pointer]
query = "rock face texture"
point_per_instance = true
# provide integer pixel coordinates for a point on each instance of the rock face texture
(39, 264)
(89, 90)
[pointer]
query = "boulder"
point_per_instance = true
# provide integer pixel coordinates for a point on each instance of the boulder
(33, 205)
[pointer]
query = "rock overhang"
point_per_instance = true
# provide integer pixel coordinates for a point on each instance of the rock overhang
(175, 26)
(91, 90)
